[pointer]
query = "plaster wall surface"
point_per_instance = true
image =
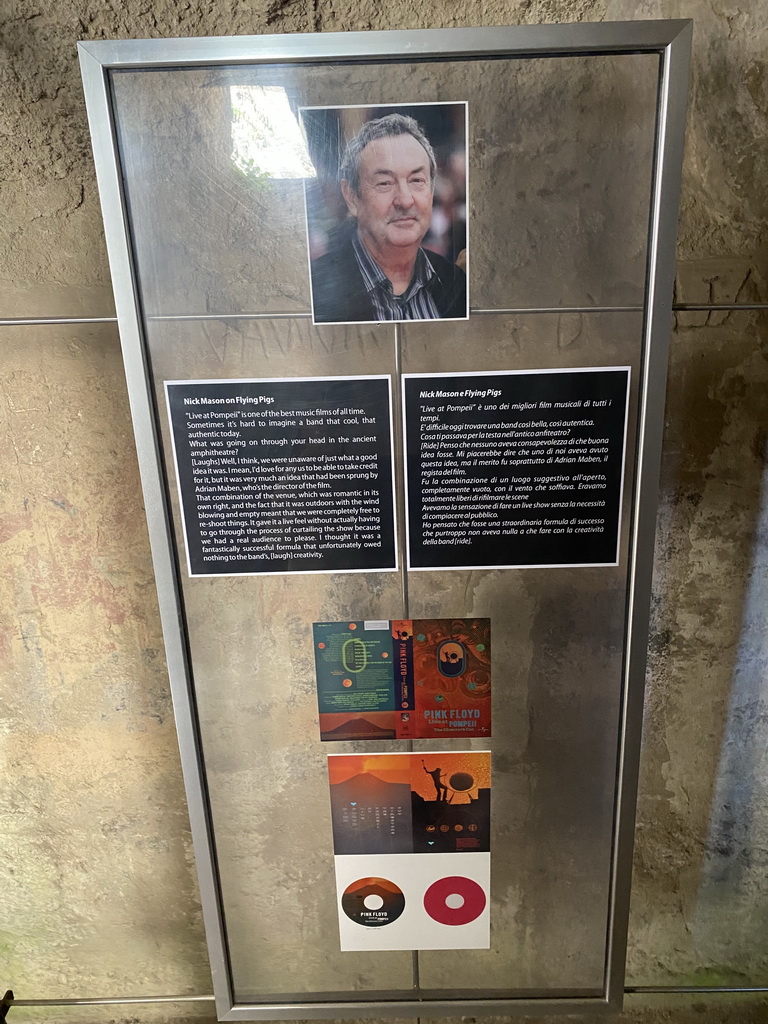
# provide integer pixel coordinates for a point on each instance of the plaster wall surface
(98, 884)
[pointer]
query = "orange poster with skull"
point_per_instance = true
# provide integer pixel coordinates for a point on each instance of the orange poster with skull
(452, 677)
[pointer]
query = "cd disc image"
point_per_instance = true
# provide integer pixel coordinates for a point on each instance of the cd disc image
(455, 900)
(373, 902)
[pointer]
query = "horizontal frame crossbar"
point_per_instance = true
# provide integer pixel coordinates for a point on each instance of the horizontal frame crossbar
(629, 990)
(678, 307)
(533, 40)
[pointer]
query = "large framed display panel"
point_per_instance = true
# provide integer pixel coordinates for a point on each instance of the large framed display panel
(395, 310)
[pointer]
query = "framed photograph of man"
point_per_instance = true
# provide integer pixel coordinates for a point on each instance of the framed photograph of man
(387, 212)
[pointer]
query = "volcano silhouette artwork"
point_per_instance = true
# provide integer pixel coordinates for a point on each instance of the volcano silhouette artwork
(370, 815)
(359, 729)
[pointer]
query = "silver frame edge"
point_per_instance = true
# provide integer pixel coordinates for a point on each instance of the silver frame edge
(665, 201)
(106, 159)
(424, 1008)
(517, 40)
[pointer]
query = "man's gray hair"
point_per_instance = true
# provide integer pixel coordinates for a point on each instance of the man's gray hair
(382, 128)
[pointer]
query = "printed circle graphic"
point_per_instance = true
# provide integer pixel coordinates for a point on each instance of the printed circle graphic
(451, 658)
(373, 902)
(440, 899)
(461, 781)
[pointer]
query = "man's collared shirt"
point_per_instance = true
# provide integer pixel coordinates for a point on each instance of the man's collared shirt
(416, 303)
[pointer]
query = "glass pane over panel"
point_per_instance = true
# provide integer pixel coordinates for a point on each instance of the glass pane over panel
(557, 214)
(557, 678)
(251, 648)
(559, 154)
(558, 636)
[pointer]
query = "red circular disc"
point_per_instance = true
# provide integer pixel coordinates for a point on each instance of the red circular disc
(455, 885)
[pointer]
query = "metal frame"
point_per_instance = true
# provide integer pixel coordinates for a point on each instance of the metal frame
(671, 40)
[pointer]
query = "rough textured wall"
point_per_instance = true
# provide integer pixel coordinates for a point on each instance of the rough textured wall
(698, 911)
(96, 856)
(98, 887)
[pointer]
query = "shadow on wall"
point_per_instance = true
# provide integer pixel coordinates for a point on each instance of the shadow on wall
(734, 878)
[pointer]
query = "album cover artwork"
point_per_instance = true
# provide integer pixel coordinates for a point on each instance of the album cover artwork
(451, 666)
(411, 839)
(414, 901)
(403, 679)
(437, 802)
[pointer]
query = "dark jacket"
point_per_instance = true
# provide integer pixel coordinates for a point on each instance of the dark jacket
(339, 295)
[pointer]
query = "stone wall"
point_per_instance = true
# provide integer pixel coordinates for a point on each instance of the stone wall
(97, 880)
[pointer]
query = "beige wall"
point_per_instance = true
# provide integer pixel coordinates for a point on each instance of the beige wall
(97, 887)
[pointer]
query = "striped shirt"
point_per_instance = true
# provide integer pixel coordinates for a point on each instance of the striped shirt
(416, 302)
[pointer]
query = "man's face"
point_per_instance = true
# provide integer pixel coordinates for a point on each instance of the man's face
(394, 206)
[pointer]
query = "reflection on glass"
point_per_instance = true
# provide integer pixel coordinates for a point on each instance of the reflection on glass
(266, 138)
(554, 216)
